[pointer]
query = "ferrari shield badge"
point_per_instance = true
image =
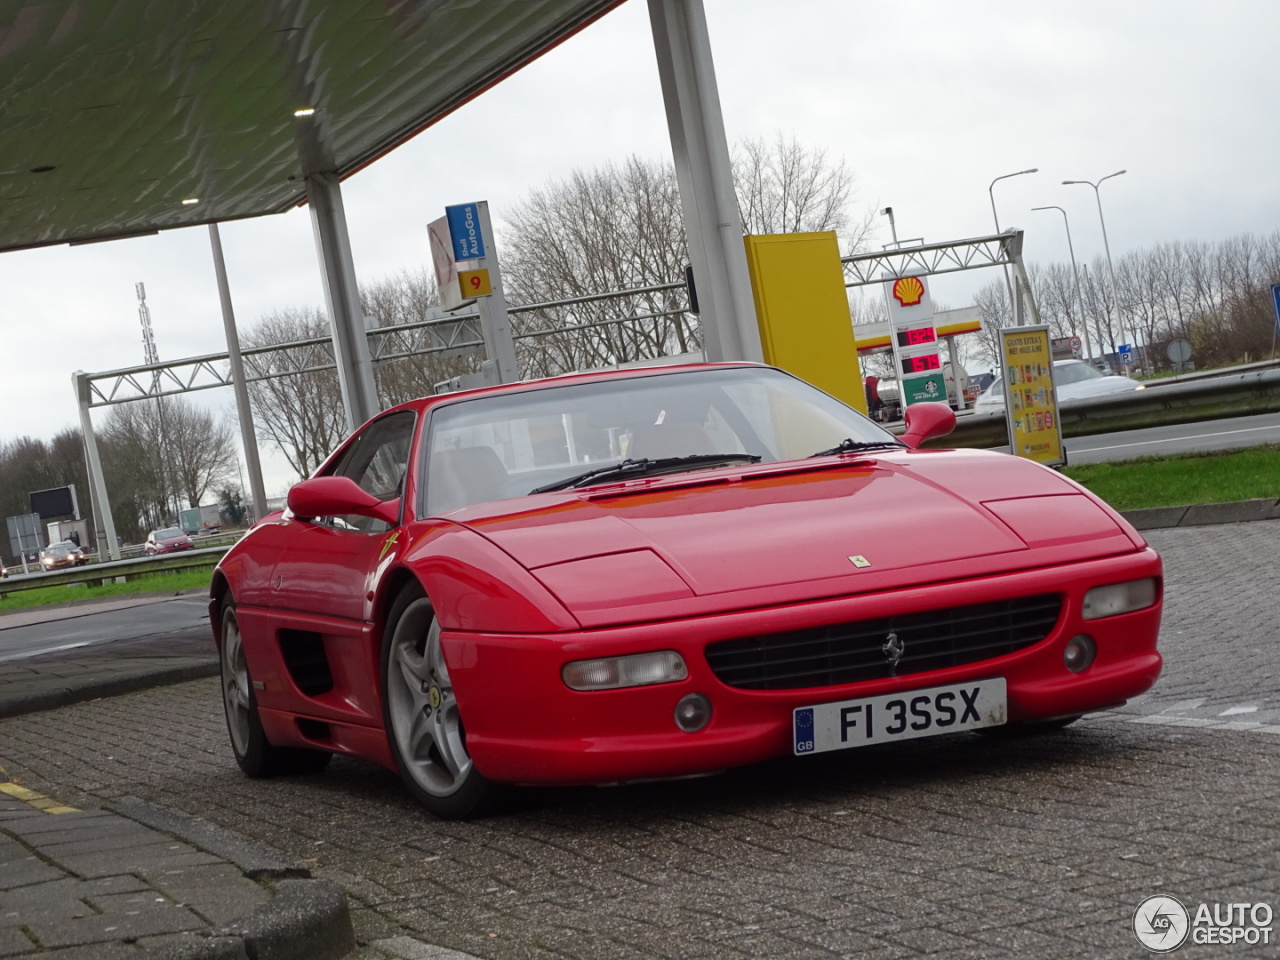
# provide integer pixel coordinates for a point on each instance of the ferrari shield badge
(859, 561)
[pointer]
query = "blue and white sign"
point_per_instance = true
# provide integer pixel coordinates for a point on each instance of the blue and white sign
(1275, 302)
(1126, 354)
(464, 229)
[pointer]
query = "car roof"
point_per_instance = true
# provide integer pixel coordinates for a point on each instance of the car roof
(590, 376)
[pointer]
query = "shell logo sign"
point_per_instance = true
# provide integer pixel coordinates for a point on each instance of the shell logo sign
(908, 291)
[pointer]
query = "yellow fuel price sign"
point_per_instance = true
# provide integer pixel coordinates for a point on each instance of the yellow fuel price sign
(1031, 408)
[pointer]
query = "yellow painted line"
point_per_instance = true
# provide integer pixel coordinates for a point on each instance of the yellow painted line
(37, 800)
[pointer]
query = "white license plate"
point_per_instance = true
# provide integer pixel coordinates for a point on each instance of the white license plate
(899, 716)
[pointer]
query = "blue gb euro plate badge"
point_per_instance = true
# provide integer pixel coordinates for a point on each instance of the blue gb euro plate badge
(803, 722)
(464, 230)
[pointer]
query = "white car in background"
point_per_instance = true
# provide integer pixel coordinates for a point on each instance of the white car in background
(1072, 380)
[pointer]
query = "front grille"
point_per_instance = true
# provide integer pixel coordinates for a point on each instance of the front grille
(853, 652)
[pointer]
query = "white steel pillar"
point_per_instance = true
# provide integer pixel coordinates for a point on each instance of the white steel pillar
(248, 437)
(495, 322)
(701, 153)
(105, 524)
(350, 348)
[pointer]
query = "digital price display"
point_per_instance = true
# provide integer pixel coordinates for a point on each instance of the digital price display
(921, 364)
(917, 336)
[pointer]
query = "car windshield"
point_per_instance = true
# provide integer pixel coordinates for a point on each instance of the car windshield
(168, 534)
(497, 447)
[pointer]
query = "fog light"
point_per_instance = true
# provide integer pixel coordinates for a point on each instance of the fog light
(637, 670)
(1079, 653)
(1119, 598)
(693, 712)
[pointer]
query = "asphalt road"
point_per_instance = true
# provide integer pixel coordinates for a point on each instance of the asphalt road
(963, 846)
(1176, 438)
(1225, 434)
(178, 621)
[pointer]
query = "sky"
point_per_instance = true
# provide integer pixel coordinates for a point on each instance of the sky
(927, 101)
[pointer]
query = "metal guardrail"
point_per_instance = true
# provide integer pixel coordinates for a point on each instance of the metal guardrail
(1160, 403)
(128, 569)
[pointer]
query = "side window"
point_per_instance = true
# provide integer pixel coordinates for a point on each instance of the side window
(377, 462)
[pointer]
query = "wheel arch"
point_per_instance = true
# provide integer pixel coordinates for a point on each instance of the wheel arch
(393, 584)
(219, 591)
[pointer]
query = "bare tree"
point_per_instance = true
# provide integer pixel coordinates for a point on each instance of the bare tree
(157, 454)
(785, 187)
(612, 228)
(201, 450)
(621, 227)
(28, 464)
(407, 372)
(300, 406)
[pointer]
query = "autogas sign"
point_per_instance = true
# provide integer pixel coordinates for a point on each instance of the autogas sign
(464, 230)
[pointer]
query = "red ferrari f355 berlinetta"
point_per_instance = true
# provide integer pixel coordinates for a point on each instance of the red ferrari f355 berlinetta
(657, 573)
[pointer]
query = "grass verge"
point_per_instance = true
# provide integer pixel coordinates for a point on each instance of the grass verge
(1209, 477)
(155, 583)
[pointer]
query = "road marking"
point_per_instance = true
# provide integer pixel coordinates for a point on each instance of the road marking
(1245, 708)
(43, 650)
(1164, 719)
(1198, 436)
(30, 797)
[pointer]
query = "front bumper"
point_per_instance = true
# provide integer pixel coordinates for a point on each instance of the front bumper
(524, 725)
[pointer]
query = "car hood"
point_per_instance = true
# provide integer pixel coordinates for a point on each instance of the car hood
(787, 532)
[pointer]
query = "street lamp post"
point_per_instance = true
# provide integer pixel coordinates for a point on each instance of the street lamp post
(893, 228)
(1075, 273)
(1106, 245)
(996, 217)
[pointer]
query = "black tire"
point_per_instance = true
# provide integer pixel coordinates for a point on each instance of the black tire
(253, 751)
(1016, 731)
(421, 718)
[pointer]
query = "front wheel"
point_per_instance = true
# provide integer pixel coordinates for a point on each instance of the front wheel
(420, 712)
(254, 753)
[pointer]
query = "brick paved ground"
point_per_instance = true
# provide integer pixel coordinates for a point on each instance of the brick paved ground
(954, 847)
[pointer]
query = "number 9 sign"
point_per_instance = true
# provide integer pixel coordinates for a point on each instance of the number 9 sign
(474, 283)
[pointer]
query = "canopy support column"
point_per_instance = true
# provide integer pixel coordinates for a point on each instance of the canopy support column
(705, 176)
(337, 269)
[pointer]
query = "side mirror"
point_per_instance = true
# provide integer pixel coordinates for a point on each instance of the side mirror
(926, 421)
(334, 496)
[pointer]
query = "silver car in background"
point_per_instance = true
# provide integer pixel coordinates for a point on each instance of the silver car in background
(1072, 380)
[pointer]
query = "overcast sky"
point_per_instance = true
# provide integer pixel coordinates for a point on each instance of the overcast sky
(927, 101)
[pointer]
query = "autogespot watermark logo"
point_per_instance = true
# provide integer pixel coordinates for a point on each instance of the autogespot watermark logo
(1162, 924)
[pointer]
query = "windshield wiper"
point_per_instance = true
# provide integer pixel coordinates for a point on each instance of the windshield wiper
(849, 445)
(645, 467)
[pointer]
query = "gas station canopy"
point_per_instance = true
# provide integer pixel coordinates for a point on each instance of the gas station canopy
(125, 117)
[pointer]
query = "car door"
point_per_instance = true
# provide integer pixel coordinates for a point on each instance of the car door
(327, 567)
(322, 586)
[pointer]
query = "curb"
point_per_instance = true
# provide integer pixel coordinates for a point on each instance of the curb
(1203, 514)
(307, 919)
(197, 891)
(112, 687)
